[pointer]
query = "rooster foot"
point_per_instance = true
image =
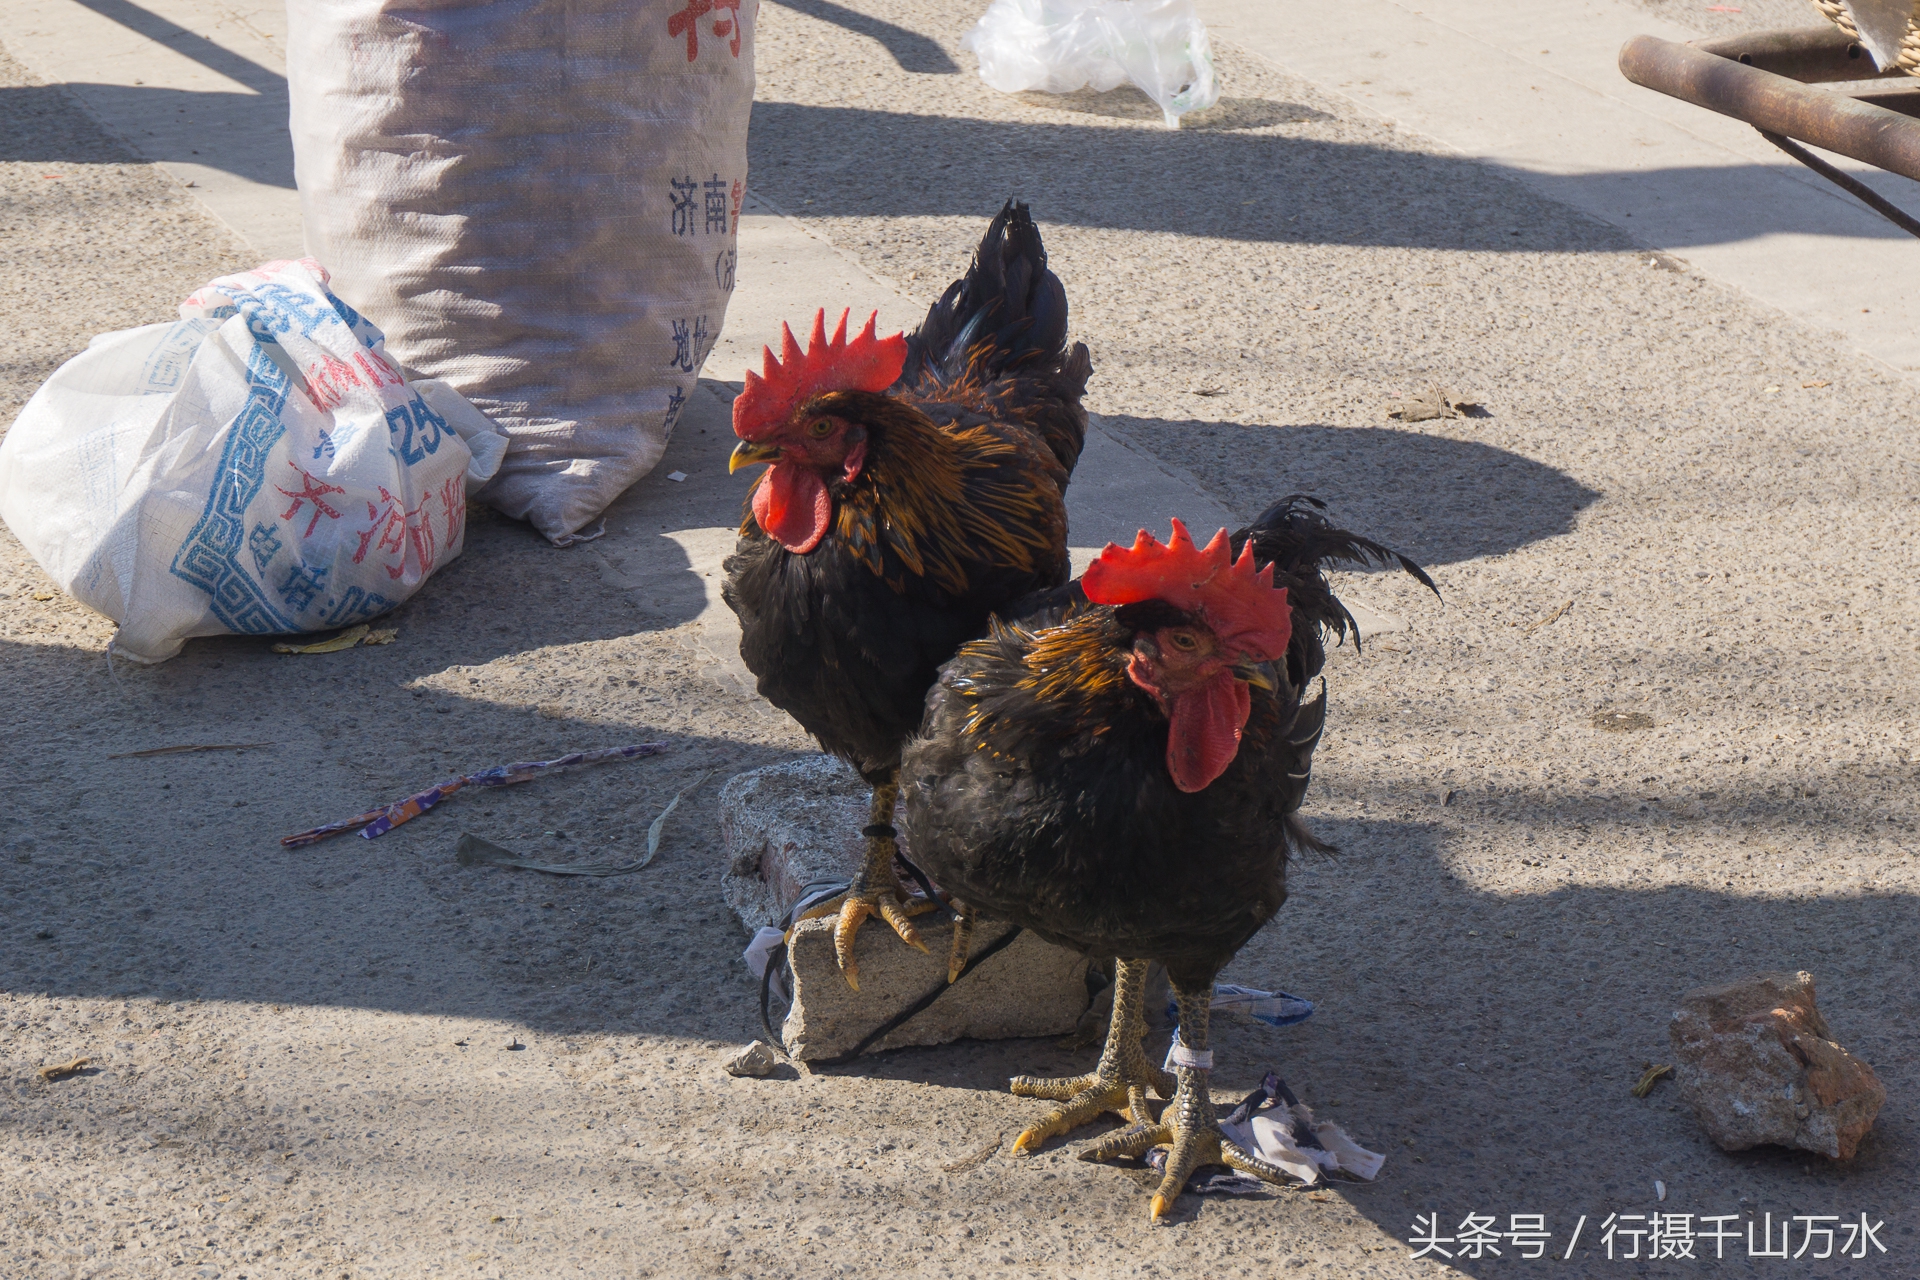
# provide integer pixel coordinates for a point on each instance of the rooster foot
(1188, 1127)
(1086, 1099)
(1118, 1084)
(877, 891)
(892, 906)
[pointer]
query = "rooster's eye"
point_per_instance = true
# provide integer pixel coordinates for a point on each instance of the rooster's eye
(821, 429)
(1183, 640)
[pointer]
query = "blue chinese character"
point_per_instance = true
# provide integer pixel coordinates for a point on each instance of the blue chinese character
(683, 204)
(302, 585)
(264, 542)
(682, 347)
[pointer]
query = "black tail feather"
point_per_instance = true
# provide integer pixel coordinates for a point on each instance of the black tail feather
(1005, 321)
(1295, 537)
(1007, 302)
(1294, 533)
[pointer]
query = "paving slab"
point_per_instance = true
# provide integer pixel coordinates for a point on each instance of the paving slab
(1536, 90)
(199, 87)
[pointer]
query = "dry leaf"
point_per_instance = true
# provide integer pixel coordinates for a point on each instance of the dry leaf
(1436, 402)
(1652, 1077)
(345, 640)
(1551, 618)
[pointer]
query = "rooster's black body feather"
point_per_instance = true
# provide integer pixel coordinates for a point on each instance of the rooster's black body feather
(959, 511)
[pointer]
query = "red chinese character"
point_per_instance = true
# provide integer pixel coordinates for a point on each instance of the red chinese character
(739, 193)
(685, 21)
(728, 26)
(328, 380)
(453, 500)
(312, 490)
(397, 530)
(379, 372)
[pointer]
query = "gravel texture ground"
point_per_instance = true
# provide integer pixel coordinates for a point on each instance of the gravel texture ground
(363, 1060)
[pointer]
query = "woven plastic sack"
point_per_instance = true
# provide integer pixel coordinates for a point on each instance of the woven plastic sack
(1889, 29)
(257, 466)
(1058, 46)
(537, 201)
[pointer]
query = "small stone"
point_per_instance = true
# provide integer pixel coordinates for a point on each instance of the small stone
(756, 1060)
(1757, 1065)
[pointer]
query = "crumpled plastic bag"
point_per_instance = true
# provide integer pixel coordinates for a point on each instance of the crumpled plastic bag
(1275, 1008)
(258, 466)
(1058, 46)
(1274, 1124)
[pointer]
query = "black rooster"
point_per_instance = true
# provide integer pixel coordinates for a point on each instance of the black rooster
(1120, 767)
(917, 486)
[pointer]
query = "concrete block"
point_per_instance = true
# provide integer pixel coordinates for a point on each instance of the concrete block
(788, 826)
(1031, 988)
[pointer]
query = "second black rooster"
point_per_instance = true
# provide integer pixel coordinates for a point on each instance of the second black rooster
(1120, 767)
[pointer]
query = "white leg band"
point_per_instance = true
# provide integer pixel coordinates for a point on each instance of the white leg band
(1178, 1055)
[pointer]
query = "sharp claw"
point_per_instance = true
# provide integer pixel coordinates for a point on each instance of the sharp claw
(962, 942)
(1161, 1206)
(852, 913)
(902, 925)
(1028, 1141)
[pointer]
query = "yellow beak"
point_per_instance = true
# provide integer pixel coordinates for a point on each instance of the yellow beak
(747, 453)
(1258, 674)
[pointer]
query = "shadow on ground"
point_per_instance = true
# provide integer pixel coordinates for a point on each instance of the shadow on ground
(1433, 497)
(159, 878)
(29, 105)
(1218, 181)
(913, 51)
(1420, 1067)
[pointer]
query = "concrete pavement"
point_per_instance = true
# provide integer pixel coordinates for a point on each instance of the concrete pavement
(362, 1059)
(1535, 90)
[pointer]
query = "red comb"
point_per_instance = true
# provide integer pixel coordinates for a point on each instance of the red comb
(866, 363)
(1241, 604)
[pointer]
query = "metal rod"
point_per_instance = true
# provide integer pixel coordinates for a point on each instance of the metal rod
(1864, 193)
(1811, 55)
(1831, 121)
(1907, 102)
